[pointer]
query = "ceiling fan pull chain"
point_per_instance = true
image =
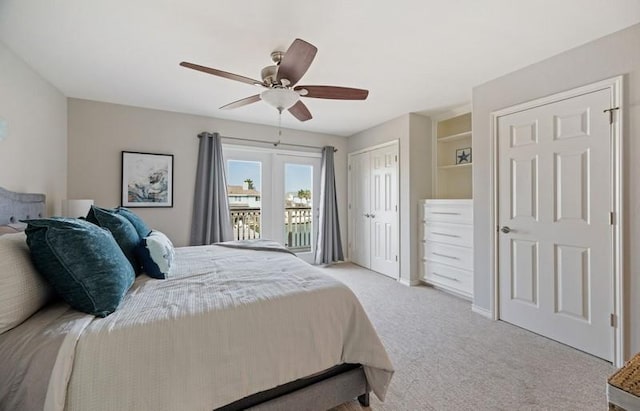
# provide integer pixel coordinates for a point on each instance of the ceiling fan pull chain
(279, 122)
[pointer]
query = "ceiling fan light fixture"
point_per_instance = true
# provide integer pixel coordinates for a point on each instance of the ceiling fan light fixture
(280, 98)
(280, 80)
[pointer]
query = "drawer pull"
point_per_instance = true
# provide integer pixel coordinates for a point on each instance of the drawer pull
(444, 213)
(445, 234)
(445, 276)
(446, 256)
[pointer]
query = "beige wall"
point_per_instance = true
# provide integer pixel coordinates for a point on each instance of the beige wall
(414, 134)
(98, 132)
(33, 157)
(420, 183)
(610, 56)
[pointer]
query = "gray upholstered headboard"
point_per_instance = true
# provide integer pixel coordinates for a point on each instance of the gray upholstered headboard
(18, 206)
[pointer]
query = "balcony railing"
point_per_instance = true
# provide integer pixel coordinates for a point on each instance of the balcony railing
(246, 223)
(298, 226)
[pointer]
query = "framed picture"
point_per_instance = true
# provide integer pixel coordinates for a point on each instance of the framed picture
(463, 156)
(147, 179)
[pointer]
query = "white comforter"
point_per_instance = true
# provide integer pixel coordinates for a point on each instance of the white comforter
(231, 323)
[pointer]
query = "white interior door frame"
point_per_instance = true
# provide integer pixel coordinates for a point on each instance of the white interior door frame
(615, 86)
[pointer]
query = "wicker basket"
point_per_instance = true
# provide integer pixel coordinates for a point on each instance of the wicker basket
(626, 379)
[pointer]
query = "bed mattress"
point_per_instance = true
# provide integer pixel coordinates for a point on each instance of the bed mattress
(228, 324)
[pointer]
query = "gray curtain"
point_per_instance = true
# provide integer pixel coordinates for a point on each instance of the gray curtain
(211, 219)
(329, 244)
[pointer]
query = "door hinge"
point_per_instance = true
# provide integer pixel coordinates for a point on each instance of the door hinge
(613, 320)
(396, 158)
(610, 111)
(349, 167)
(612, 218)
(349, 206)
(396, 258)
(396, 208)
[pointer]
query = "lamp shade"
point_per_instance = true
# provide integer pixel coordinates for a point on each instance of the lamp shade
(280, 98)
(76, 208)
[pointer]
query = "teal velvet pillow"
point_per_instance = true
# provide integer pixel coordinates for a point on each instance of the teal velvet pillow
(156, 253)
(82, 262)
(141, 227)
(123, 231)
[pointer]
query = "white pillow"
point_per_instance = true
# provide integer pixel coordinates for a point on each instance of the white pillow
(156, 253)
(22, 290)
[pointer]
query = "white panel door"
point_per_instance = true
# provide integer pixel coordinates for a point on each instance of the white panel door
(360, 224)
(555, 263)
(383, 210)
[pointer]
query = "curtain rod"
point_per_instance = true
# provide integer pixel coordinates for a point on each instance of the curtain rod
(275, 143)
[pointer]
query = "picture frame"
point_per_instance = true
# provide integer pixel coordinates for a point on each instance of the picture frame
(147, 180)
(463, 156)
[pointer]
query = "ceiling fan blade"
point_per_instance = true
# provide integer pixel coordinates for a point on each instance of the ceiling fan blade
(221, 73)
(296, 61)
(241, 102)
(300, 111)
(333, 92)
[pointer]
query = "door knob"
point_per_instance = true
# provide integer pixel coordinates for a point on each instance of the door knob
(367, 215)
(373, 216)
(505, 229)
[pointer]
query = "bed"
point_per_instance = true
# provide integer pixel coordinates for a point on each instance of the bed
(233, 329)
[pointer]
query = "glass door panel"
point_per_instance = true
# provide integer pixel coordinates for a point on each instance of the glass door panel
(244, 188)
(298, 202)
(296, 188)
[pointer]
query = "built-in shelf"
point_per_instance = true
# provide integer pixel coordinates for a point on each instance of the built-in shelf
(452, 133)
(454, 137)
(455, 166)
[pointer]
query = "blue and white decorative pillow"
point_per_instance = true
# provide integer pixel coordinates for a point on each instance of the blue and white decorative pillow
(156, 253)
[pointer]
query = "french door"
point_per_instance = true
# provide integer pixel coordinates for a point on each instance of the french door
(274, 196)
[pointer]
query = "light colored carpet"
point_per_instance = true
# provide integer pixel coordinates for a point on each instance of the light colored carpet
(448, 358)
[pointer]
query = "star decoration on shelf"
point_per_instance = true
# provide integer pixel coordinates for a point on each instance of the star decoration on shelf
(463, 157)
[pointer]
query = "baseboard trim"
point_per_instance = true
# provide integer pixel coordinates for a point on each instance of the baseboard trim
(409, 283)
(447, 290)
(482, 311)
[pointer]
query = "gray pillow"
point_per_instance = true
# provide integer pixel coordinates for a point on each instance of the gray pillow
(82, 262)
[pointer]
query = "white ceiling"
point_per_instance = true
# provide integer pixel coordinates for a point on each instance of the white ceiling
(413, 55)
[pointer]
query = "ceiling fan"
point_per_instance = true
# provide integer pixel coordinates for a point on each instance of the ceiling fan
(280, 81)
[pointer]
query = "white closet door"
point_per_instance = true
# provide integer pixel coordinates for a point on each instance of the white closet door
(360, 227)
(383, 210)
(373, 209)
(555, 253)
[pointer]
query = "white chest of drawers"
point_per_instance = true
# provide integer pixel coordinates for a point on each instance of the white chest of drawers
(446, 248)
